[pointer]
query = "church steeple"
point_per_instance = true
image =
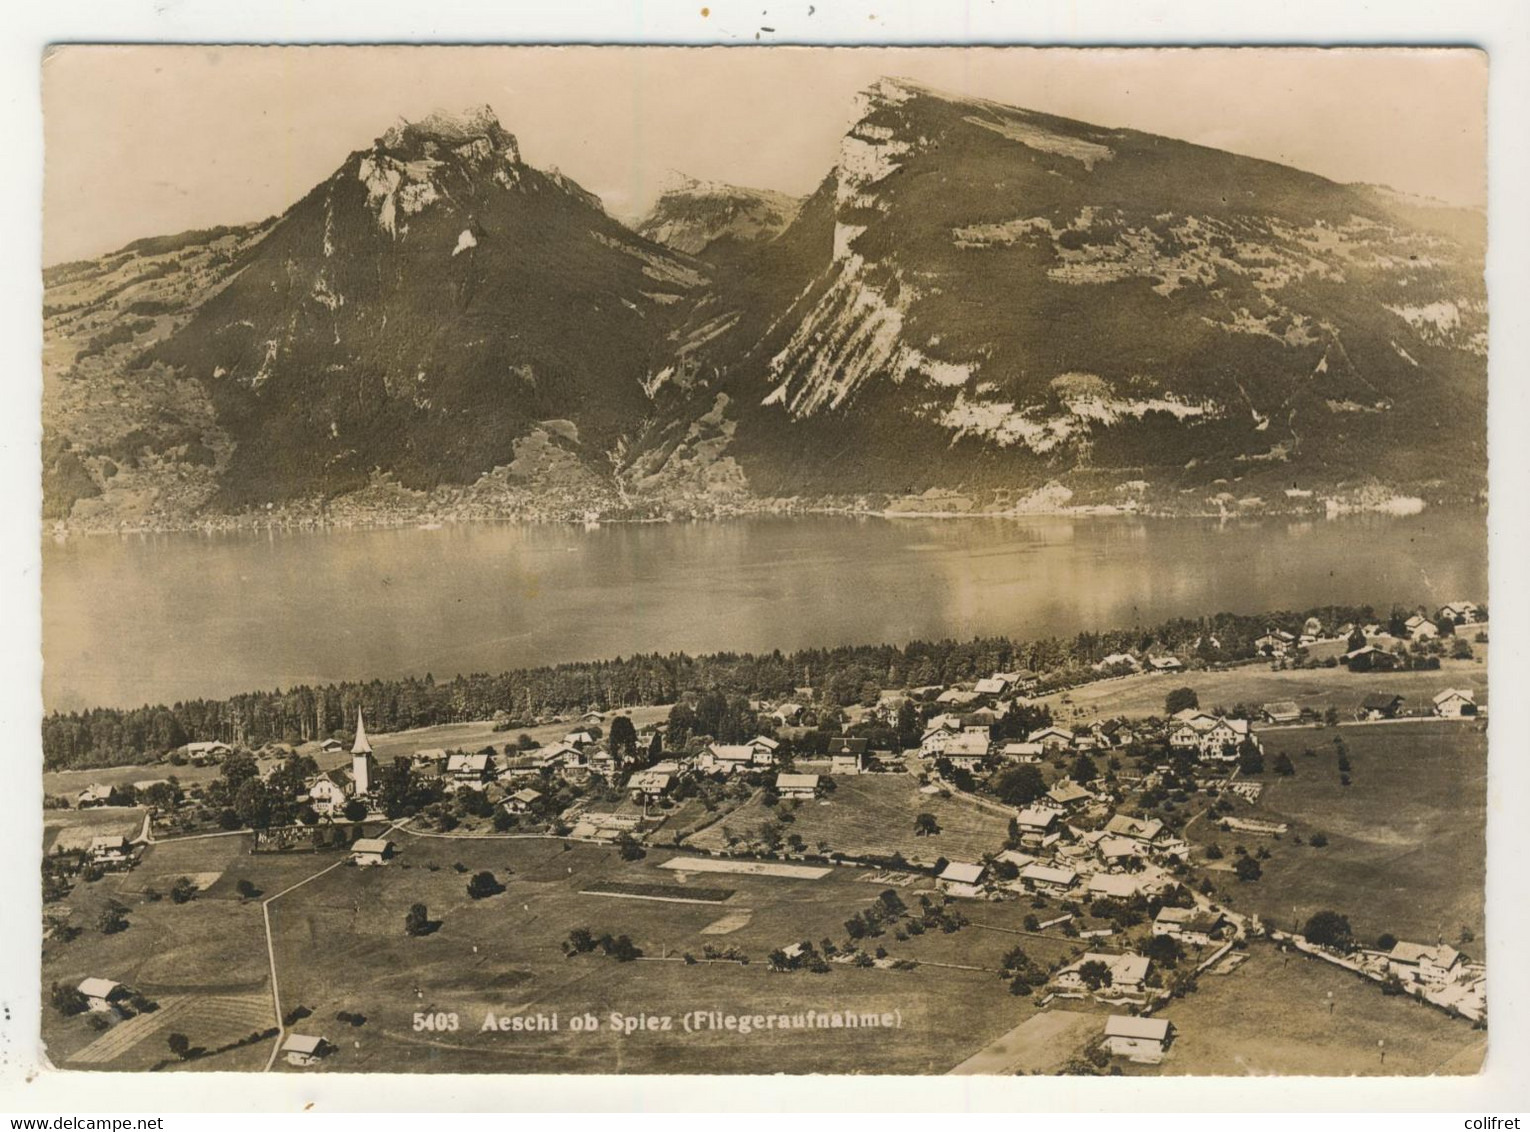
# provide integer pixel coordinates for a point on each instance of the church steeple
(361, 746)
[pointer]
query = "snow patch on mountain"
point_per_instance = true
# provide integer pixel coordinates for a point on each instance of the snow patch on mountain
(1035, 137)
(465, 241)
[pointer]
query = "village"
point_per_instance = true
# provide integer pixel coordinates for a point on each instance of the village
(1129, 841)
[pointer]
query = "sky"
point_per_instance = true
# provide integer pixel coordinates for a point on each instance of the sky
(149, 140)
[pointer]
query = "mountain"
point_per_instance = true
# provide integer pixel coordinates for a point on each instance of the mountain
(991, 302)
(979, 307)
(715, 222)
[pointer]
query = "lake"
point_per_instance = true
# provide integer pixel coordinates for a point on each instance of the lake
(129, 620)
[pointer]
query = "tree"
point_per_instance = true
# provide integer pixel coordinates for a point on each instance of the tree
(1386, 941)
(113, 918)
(180, 1045)
(1356, 640)
(1094, 974)
(1020, 786)
(1180, 699)
(1164, 949)
(1331, 716)
(1329, 929)
(355, 810)
(1283, 765)
(1247, 869)
(417, 921)
(252, 805)
(623, 739)
(925, 825)
(246, 888)
(182, 890)
(484, 884)
(1318, 840)
(68, 1000)
(1250, 757)
(1083, 769)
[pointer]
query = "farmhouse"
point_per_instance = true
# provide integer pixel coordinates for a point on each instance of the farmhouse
(764, 748)
(1433, 966)
(727, 758)
(1380, 705)
(1460, 613)
(1115, 886)
(1453, 703)
(995, 685)
(788, 714)
(1420, 628)
(1117, 851)
(1048, 878)
(1275, 642)
(797, 785)
(211, 749)
(303, 1050)
(1051, 738)
(371, 850)
(102, 995)
(1143, 1040)
(967, 750)
(111, 850)
(95, 794)
(1066, 793)
(956, 697)
(1036, 825)
(522, 801)
(1189, 925)
(1126, 972)
(1165, 664)
(649, 785)
(847, 755)
(1021, 752)
(1142, 830)
(1369, 659)
(962, 878)
(468, 769)
(1282, 711)
(1119, 660)
(331, 747)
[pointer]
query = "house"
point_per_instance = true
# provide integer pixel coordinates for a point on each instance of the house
(797, 785)
(1369, 659)
(1211, 736)
(1143, 1040)
(1119, 660)
(1145, 831)
(962, 878)
(331, 747)
(1016, 857)
(1118, 851)
(1021, 752)
(111, 850)
(1126, 972)
(1453, 703)
(1434, 966)
(469, 769)
(592, 716)
(649, 785)
(992, 686)
(1380, 705)
(939, 731)
(1421, 628)
(1165, 664)
(967, 750)
(329, 792)
(1115, 886)
(211, 749)
(1275, 642)
(764, 748)
(96, 794)
(1051, 738)
(580, 738)
(788, 715)
(102, 995)
(1460, 613)
(728, 758)
(522, 801)
(1066, 793)
(956, 697)
(1189, 925)
(1282, 711)
(1055, 879)
(303, 1050)
(1312, 627)
(1036, 823)
(371, 850)
(847, 755)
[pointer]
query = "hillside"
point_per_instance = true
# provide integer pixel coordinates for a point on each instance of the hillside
(980, 307)
(983, 300)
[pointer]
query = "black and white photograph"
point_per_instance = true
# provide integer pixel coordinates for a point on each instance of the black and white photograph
(655, 560)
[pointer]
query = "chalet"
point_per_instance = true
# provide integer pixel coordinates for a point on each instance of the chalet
(1065, 793)
(764, 748)
(1165, 664)
(1369, 658)
(962, 878)
(1038, 826)
(1189, 925)
(522, 801)
(797, 785)
(111, 850)
(1453, 703)
(1055, 879)
(967, 750)
(995, 685)
(1113, 733)
(329, 792)
(1117, 852)
(604, 762)
(580, 738)
(331, 746)
(1144, 831)
(1126, 972)
(1433, 966)
(981, 719)
(1021, 752)
(649, 785)
(96, 794)
(1421, 628)
(1380, 705)
(1051, 738)
(1275, 642)
(1117, 660)
(956, 697)
(1282, 711)
(371, 850)
(1115, 886)
(937, 733)
(731, 758)
(469, 769)
(1142, 1040)
(304, 1050)
(1460, 613)
(592, 716)
(1016, 857)
(102, 995)
(1211, 736)
(847, 755)
(209, 750)
(1312, 627)
(788, 715)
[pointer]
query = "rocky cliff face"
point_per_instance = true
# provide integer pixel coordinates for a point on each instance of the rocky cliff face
(979, 301)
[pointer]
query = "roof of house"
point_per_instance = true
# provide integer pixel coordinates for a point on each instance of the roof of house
(1441, 955)
(1049, 874)
(302, 1043)
(1166, 662)
(732, 752)
(370, 845)
(962, 872)
(1016, 857)
(94, 791)
(992, 686)
(461, 761)
(1120, 885)
(1118, 847)
(1282, 708)
(527, 795)
(94, 987)
(107, 841)
(1048, 732)
(764, 741)
(968, 743)
(1126, 826)
(796, 782)
(1020, 750)
(1040, 818)
(1451, 693)
(1127, 1026)
(1066, 790)
(1129, 969)
(847, 745)
(649, 780)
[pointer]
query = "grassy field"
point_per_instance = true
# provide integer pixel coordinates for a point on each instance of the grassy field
(1271, 1016)
(874, 814)
(1255, 684)
(1406, 851)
